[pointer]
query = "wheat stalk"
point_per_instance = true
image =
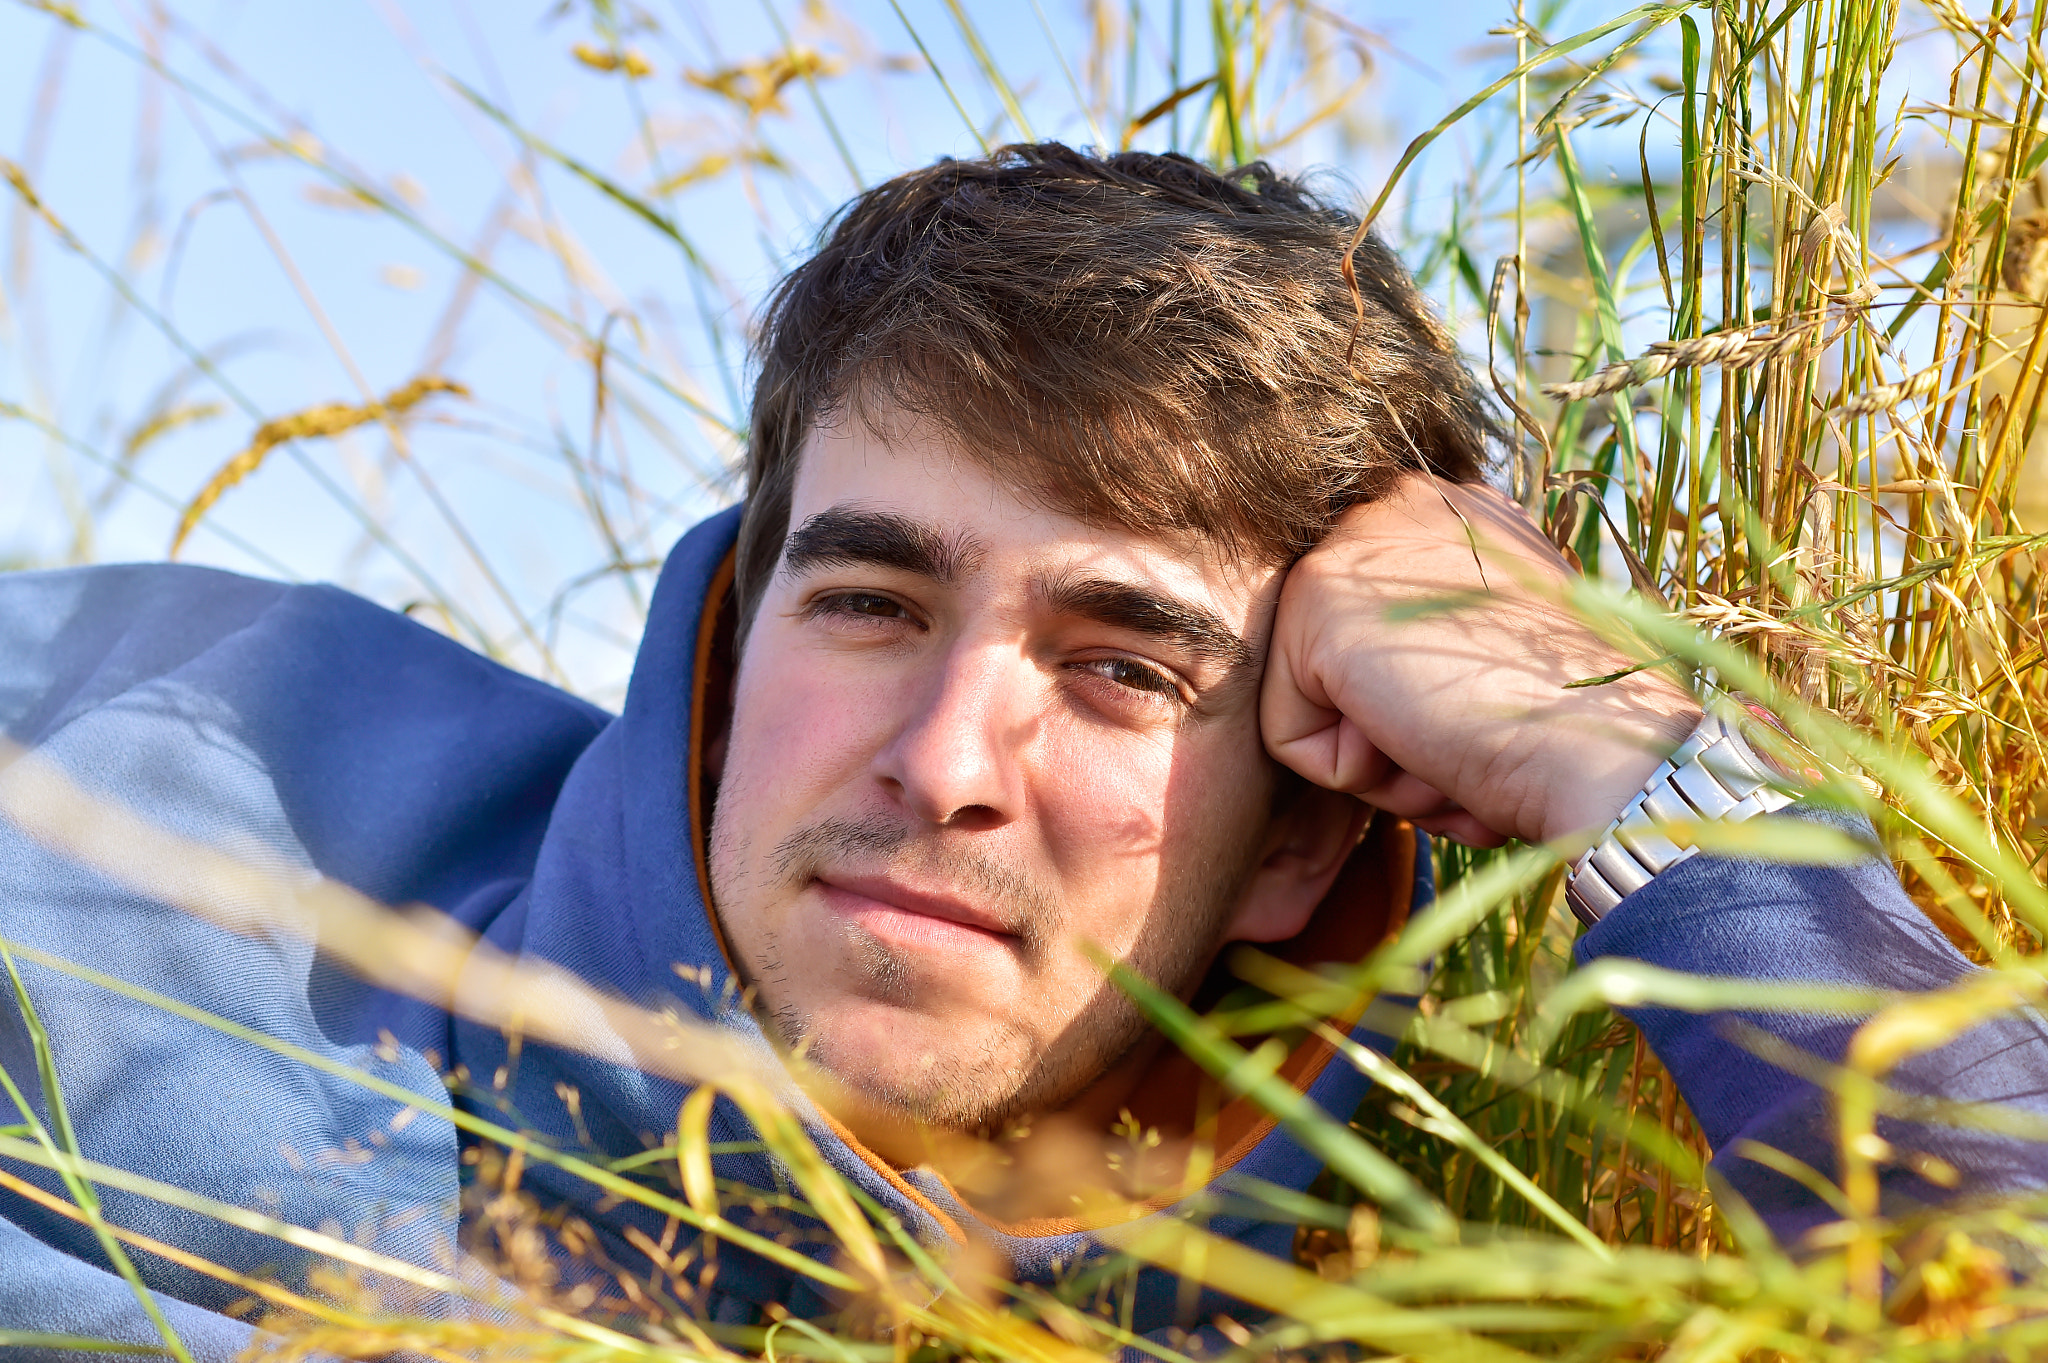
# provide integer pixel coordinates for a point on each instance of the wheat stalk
(1742, 349)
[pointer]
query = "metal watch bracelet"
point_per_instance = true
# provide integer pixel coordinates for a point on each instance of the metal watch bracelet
(1716, 774)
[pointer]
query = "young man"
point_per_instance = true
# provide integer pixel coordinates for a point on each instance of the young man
(1056, 620)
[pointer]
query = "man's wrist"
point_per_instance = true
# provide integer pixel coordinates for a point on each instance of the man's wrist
(1738, 763)
(1611, 759)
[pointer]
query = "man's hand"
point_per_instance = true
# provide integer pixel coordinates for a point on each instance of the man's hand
(1460, 718)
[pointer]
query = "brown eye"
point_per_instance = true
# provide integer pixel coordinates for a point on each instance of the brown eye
(860, 603)
(1135, 675)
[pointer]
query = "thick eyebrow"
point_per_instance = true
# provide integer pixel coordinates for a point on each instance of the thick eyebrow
(881, 539)
(1141, 610)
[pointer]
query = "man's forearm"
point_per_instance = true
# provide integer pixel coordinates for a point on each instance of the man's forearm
(1847, 925)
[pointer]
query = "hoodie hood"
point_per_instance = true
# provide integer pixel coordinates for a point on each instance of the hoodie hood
(316, 733)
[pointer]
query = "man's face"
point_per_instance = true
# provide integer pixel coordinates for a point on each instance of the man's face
(968, 734)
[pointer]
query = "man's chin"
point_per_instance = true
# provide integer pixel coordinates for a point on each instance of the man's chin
(940, 1069)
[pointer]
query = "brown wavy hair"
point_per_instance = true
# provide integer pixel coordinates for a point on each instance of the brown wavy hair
(1134, 339)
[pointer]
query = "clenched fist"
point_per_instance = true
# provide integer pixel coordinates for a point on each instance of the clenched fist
(1458, 717)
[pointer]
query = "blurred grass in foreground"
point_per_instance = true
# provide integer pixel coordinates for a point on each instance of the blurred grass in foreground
(1815, 462)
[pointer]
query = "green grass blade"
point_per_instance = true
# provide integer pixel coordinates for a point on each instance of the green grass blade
(817, 96)
(1067, 71)
(1450, 1127)
(1654, 13)
(990, 71)
(65, 1142)
(1246, 1073)
(1607, 311)
(939, 74)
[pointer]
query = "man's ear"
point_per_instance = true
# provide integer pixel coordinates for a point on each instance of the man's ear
(1312, 834)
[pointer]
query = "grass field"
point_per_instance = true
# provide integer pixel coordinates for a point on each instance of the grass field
(1758, 289)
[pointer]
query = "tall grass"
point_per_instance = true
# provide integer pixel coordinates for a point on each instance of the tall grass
(1773, 380)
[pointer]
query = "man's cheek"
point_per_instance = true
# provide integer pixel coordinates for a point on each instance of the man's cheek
(1105, 817)
(806, 729)
(1136, 814)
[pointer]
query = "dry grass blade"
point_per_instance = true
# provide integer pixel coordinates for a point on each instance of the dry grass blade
(328, 419)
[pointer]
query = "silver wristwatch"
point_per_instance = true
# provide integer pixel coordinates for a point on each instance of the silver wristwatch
(1716, 774)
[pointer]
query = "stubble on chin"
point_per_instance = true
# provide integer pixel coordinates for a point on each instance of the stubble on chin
(983, 1089)
(885, 975)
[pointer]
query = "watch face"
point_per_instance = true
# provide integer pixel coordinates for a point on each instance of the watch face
(1764, 736)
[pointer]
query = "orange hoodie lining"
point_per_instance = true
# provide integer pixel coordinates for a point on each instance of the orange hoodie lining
(700, 696)
(1241, 1125)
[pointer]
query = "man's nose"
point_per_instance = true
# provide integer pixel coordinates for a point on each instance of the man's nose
(957, 760)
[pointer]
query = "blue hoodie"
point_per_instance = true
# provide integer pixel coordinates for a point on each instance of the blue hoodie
(313, 733)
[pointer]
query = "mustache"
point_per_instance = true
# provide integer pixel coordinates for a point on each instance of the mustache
(878, 842)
